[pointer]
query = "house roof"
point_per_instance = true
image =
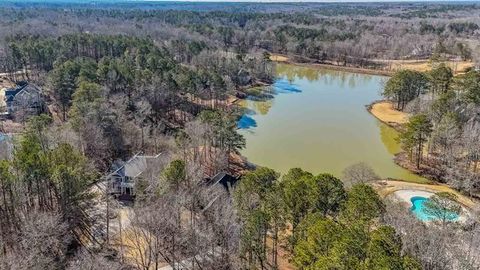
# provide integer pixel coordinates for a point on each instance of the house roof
(134, 166)
(224, 179)
(12, 92)
(24, 88)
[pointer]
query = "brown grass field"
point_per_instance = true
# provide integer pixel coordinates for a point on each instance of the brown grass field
(384, 111)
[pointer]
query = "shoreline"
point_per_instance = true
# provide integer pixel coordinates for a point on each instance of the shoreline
(426, 171)
(383, 111)
(397, 121)
(366, 71)
(394, 65)
(279, 58)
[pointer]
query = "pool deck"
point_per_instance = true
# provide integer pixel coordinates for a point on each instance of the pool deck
(388, 187)
(407, 194)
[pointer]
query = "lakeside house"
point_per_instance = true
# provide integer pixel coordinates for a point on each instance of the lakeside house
(23, 101)
(224, 180)
(121, 182)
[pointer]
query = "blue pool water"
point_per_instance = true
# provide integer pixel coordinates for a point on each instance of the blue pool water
(418, 210)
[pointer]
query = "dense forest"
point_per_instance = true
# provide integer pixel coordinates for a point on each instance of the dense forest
(162, 79)
(348, 34)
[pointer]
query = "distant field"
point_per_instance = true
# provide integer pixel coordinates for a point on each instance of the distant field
(424, 65)
(278, 58)
(395, 65)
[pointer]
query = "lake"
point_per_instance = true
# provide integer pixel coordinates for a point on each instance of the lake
(317, 120)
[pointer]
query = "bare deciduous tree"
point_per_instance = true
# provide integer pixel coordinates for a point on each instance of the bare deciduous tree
(358, 173)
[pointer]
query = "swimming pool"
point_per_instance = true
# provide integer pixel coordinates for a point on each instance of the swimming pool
(418, 210)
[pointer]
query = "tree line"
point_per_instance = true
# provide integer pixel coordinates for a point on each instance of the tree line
(328, 33)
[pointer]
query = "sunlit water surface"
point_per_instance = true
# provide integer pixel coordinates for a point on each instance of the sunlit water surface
(317, 121)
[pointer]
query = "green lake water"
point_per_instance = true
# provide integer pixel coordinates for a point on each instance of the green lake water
(317, 121)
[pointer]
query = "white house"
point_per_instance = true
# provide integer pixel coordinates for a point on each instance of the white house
(121, 182)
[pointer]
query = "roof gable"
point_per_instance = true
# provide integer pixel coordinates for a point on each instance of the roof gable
(29, 90)
(23, 90)
(224, 179)
(135, 166)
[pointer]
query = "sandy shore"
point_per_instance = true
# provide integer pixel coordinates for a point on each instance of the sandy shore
(383, 110)
(457, 67)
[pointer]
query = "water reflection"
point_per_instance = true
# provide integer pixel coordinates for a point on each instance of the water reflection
(262, 100)
(389, 138)
(317, 121)
(246, 121)
(329, 76)
(283, 86)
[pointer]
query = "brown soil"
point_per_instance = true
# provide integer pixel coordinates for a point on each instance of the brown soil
(283, 256)
(213, 103)
(238, 165)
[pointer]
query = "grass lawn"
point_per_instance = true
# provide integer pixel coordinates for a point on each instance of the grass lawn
(424, 65)
(278, 58)
(385, 112)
